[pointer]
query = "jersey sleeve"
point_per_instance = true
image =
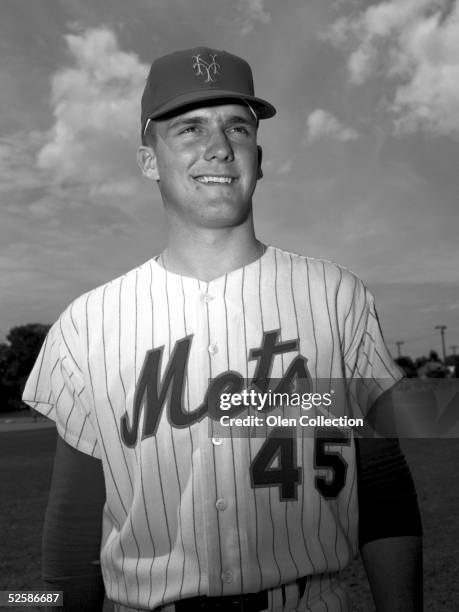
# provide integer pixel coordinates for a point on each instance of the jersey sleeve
(369, 363)
(56, 387)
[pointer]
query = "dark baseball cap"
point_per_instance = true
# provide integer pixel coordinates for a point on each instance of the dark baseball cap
(196, 75)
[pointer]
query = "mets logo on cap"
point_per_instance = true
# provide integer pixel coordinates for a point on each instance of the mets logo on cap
(207, 69)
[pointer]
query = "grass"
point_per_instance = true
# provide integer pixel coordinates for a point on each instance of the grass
(26, 459)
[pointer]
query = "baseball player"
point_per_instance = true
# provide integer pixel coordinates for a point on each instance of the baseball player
(132, 372)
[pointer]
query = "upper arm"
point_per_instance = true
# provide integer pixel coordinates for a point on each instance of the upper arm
(387, 496)
(58, 386)
(73, 521)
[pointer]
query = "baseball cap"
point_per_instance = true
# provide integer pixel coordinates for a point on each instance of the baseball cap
(195, 75)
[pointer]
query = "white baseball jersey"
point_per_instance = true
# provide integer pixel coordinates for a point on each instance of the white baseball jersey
(127, 373)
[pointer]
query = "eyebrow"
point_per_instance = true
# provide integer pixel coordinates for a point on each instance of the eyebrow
(199, 120)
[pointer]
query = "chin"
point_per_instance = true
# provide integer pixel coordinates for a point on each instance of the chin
(228, 217)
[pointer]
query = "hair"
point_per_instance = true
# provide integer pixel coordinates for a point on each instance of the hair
(149, 134)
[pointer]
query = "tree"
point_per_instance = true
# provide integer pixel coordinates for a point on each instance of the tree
(407, 365)
(452, 361)
(16, 361)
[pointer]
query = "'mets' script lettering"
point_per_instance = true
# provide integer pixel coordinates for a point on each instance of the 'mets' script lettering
(151, 392)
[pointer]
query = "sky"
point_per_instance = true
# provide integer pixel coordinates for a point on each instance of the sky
(360, 162)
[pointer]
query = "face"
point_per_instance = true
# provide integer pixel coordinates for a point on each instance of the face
(207, 164)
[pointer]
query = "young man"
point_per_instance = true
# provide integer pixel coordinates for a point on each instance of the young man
(132, 372)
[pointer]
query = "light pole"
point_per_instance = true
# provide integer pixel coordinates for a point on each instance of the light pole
(399, 344)
(442, 333)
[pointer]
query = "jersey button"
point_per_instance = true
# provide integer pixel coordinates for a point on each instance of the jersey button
(217, 441)
(227, 576)
(212, 348)
(221, 505)
(207, 297)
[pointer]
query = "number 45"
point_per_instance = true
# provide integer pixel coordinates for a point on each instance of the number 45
(287, 475)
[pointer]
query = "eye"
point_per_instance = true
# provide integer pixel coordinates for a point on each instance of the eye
(191, 129)
(240, 129)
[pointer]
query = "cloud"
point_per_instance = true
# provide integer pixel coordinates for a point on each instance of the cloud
(88, 154)
(255, 12)
(285, 168)
(322, 124)
(17, 162)
(95, 104)
(415, 45)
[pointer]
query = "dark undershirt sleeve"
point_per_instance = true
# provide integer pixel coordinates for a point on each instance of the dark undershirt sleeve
(387, 497)
(72, 530)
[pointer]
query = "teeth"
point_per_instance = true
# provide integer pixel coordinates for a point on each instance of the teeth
(214, 179)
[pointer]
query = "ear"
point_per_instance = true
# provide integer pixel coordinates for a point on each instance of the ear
(260, 157)
(146, 160)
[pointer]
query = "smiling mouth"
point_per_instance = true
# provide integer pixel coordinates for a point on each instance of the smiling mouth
(208, 179)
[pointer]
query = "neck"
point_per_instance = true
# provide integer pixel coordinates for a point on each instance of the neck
(206, 255)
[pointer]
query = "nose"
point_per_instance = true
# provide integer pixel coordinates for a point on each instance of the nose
(218, 147)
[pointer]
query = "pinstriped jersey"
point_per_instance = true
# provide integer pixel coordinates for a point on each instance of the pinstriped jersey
(128, 372)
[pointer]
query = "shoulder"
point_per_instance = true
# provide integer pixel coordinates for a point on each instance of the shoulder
(325, 276)
(100, 301)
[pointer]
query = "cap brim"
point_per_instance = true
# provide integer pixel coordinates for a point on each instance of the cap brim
(263, 109)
